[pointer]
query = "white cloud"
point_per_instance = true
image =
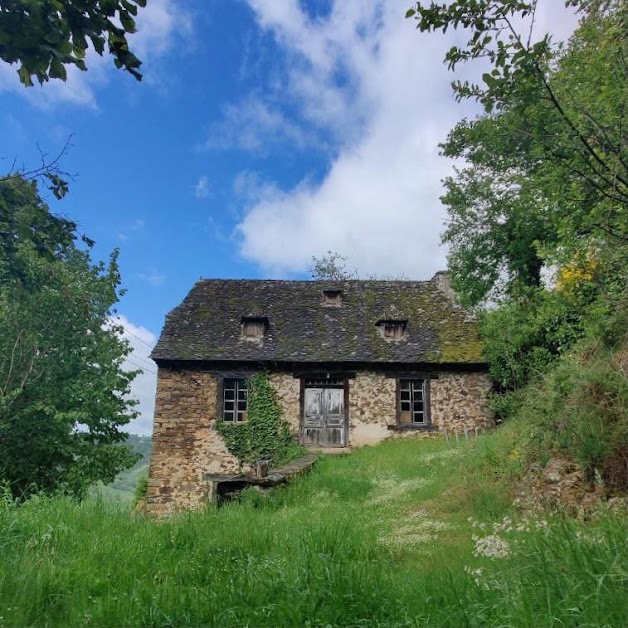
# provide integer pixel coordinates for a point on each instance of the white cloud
(256, 126)
(201, 189)
(249, 187)
(159, 26)
(133, 230)
(153, 278)
(144, 385)
(364, 75)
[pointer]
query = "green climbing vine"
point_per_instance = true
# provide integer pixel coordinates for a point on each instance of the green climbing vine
(265, 435)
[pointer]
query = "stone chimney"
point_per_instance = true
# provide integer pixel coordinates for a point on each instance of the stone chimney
(443, 283)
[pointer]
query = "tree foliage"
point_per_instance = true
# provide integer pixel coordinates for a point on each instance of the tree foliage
(546, 166)
(45, 36)
(62, 389)
(331, 267)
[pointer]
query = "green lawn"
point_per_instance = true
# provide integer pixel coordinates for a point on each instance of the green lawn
(383, 537)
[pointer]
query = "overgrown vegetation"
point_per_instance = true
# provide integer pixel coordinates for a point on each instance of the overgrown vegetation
(265, 435)
(538, 220)
(408, 533)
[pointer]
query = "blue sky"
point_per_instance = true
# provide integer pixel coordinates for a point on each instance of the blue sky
(264, 132)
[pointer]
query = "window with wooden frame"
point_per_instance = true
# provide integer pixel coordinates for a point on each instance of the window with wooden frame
(234, 400)
(254, 328)
(412, 402)
(392, 330)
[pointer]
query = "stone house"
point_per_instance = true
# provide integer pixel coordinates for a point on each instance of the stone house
(353, 362)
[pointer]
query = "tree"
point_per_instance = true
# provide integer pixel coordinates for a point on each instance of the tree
(44, 36)
(63, 393)
(546, 169)
(332, 267)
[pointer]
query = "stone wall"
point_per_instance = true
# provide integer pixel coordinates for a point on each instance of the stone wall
(460, 400)
(187, 446)
(372, 407)
(288, 390)
(457, 400)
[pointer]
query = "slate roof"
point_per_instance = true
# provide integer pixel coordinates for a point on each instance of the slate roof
(207, 324)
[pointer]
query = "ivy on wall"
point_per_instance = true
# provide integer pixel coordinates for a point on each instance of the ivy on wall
(264, 435)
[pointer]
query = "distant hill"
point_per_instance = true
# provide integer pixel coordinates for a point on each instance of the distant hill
(123, 487)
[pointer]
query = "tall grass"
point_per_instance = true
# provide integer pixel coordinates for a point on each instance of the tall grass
(378, 538)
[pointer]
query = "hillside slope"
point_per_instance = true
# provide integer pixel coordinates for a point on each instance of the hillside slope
(408, 533)
(123, 487)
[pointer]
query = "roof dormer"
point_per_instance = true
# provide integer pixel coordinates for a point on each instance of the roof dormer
(332, 298)
(254, 327)
(392, 329)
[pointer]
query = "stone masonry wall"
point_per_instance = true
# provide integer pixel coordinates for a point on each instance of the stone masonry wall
(288, 390)
(372, 407)
(457, 400)
(186, 444)
(460, 400)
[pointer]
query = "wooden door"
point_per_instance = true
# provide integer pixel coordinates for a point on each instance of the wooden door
(324, 417)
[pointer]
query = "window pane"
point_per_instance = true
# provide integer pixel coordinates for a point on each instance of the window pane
(417, 384)
(234, 400)
(405, 406)
(405, 395)
(419, 417)
(418, 406)
(404, 384)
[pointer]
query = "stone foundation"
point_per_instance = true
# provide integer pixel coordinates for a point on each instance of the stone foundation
(187, 446)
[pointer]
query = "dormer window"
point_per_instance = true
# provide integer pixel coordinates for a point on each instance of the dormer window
(254, 328)
(332, 298)
(392, 330)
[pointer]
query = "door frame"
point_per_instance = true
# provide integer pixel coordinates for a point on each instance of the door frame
(345, 389)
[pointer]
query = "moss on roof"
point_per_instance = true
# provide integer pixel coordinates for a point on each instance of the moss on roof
(207, 324)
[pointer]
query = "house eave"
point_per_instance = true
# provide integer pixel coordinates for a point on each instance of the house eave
(311, 366)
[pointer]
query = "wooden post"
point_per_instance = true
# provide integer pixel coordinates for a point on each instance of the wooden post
(466, 433)
(261, 468)
(456, 433)
(446, 435)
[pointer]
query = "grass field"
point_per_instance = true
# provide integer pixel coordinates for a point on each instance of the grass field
(408, 533)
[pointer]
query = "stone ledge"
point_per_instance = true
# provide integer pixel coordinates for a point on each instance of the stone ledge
(412, 428)
(224, 486)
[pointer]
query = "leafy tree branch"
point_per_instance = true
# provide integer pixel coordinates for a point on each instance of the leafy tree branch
(45, 36)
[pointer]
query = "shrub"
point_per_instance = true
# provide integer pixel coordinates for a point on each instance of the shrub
(582, 409)
(140, 490)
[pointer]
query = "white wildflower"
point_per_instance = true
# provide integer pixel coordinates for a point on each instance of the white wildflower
(491, 547)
